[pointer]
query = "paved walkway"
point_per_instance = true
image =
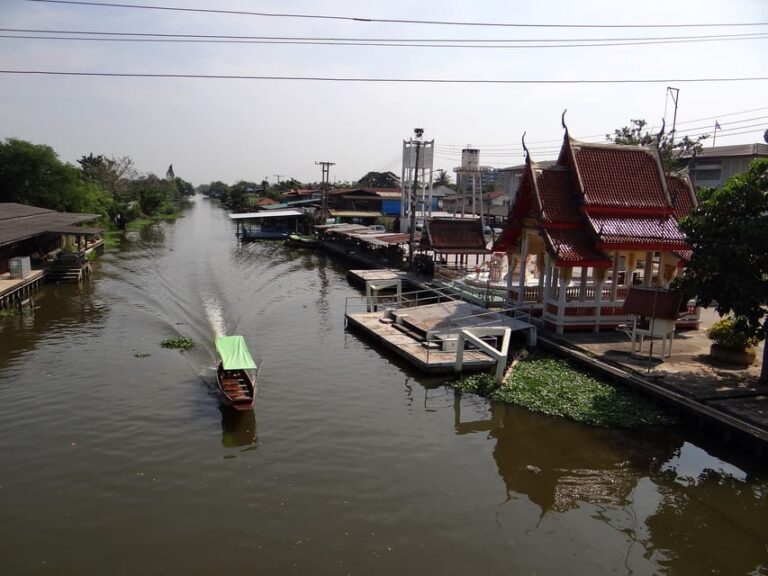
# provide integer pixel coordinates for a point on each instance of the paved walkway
(689, 371)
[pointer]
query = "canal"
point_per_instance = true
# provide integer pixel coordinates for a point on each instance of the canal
(116, 456)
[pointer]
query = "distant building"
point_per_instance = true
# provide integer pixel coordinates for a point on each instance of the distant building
(713, 166)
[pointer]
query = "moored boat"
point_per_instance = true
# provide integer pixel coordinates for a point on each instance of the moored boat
(300, 241)
(236, 374)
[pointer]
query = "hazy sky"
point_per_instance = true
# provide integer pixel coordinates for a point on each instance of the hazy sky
(252, 129)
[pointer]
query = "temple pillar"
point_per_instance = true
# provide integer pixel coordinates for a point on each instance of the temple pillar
(599, 279)
(564, 278)
(540, 266)
(583, 285)
(521, 279)
(648, 271)
(615, 284)
(547, 279)
(630, 272)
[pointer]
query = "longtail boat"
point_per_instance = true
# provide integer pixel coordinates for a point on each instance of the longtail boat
(236, 373)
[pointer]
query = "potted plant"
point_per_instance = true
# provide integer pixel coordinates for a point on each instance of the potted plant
(730, 344)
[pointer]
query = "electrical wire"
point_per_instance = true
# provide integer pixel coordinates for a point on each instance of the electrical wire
(359, 39)
(383, 80)
(390, 20)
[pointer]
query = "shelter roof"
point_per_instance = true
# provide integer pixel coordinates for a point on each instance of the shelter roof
(84, 230)
(234, 353)
(266, 202)
(290, 203)
(620, 177)
(267, 214)
(683, 196)
(19, 222)
(575, 248)
(446, 234)
(355, 213)
(556, 195)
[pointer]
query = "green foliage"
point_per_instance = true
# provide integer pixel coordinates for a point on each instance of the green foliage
(552, 386)
(636, 135)
(379, 180)
(729, 267)
(443, 179)
(729, 333)
(33, 174)
(181, 343)
(482, 384)
(387, 221)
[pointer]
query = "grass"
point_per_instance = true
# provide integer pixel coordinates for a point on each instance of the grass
(553, 386)
(180, 343)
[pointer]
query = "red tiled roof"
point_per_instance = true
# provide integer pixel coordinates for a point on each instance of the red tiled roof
(265, 201)
(575, 248)
(556, 196)
(446, 234)
(652, 231)
(683, 197)
(620, 176)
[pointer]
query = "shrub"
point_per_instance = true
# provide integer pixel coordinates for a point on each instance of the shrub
(727, 332)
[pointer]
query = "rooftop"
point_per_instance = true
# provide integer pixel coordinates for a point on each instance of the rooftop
(19, 222)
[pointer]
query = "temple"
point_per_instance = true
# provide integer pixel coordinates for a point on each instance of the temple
(582, 232)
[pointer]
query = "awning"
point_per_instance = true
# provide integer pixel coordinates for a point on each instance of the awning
(355, 214)
(234, 353)
(267, 214)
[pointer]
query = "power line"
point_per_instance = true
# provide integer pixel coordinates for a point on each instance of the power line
(381, 80)
(374, 44)
(391, 20)
(97, 36)
(362, 39)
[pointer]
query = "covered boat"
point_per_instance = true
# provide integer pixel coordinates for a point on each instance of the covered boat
(236, 373)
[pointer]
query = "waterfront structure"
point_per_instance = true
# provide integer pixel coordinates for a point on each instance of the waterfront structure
(371, 202)
(268, 224)
(581, 232)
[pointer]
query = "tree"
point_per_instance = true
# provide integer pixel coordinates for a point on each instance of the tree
(379, 180)
(765, 136)
(443, 179)
(669, 150)
(113, 174)
(729, 267)
(33, 174)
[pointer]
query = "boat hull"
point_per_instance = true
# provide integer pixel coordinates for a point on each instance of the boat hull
(237, 387)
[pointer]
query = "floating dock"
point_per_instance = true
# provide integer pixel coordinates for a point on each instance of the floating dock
(427, 336)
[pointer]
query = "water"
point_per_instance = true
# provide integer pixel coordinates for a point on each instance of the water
(116, 456)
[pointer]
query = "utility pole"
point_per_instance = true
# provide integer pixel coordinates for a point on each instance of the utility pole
(414, 191)
(278, 176)
(674, 93)
(326, 167)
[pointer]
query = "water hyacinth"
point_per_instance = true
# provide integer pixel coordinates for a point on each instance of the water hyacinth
(178, 343)
(554, 387)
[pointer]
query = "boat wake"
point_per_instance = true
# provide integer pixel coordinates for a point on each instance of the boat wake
(213, 313)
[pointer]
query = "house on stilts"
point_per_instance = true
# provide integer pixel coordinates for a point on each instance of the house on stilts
(583, 231)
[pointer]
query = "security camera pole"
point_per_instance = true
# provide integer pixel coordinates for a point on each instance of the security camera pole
(414, 190)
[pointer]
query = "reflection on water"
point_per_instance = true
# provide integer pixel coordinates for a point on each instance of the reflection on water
(238, 427)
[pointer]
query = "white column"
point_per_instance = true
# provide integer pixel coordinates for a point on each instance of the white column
(521, 279)
(561, 302)
(648, 271)
(598, 303)
(547, 279)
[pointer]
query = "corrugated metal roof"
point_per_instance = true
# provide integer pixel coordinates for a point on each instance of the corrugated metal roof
(355, 213)
(267, 214)
(19, 222)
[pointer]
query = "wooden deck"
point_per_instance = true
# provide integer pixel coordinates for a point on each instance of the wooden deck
(408, 347)
(14, 290)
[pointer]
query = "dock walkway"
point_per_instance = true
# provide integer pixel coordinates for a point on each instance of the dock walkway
(13, 291)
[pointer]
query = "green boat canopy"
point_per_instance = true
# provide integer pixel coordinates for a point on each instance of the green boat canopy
(234, 353)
